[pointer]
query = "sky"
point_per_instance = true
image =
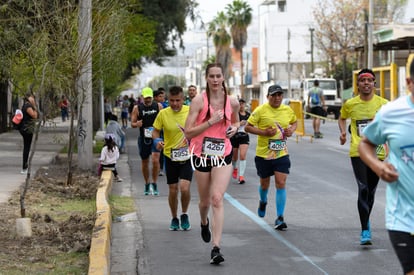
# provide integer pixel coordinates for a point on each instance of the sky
(208, 9)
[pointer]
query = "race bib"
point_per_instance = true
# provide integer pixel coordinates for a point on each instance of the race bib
(148, 132)
(180, 154)
(361, 124)
(277, 144)
(213, 146)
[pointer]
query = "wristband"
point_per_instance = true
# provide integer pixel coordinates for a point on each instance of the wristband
(157, 140)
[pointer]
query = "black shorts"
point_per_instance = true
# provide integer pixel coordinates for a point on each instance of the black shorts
(206, 164)
(145, 147)
(267, 167)
(318, 110)
(403, 244)
(239, 138)
(177, 170)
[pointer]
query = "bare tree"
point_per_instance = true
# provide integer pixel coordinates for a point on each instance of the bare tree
(341, 25)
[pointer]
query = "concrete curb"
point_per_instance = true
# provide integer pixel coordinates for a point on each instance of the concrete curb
(99, 254)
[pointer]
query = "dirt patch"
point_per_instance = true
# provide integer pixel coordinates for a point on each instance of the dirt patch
(62, 218)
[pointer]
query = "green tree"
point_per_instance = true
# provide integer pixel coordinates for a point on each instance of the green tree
(217, 29)
(169, 18)
(166, 81)
(239, 15)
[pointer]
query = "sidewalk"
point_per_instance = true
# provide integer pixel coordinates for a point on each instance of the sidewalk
(52, 138)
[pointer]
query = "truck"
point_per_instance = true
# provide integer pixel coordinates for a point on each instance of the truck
(330, 92)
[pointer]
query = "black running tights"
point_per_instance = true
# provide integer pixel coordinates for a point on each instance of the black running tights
(367, 182)
(27, 142)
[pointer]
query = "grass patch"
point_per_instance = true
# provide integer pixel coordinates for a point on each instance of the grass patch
(65, 263)
(121, 205)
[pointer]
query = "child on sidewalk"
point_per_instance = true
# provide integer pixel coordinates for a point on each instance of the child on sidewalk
(109, 156)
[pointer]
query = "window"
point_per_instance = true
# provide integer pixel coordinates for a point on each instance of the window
(281, 5)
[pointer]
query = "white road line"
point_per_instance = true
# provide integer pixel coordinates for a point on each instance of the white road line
(269, 229)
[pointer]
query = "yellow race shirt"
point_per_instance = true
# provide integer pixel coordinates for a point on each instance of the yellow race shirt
(266, 116)
(173, 125)
(361, 113)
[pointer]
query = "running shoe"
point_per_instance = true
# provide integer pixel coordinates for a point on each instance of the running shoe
(175, 224)
(155, 189)
(216, 256)
(161, 174)
(365, 238)
(261, 211)
(23, 171)
(205, 232)
(235, 172)
(241, 180)
(185, 222)
(147, 189)
(118, 179)
(280, 223)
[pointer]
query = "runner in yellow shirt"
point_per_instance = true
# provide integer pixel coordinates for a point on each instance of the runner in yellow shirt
(273, 122)
(361, 110)
(177, 156)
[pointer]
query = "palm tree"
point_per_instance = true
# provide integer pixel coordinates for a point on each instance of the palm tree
(239, 15)
(222, 40)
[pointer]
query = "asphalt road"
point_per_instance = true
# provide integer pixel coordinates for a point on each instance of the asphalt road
(321, 214)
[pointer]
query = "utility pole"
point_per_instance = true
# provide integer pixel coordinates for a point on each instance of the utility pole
(311, 49)
(288, 53)
(84, 86)
(370, 38)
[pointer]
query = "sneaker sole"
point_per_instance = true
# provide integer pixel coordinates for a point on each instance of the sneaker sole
(366, 243)
(281, 226)
(184, 228)
(174, 229)
(217, 259)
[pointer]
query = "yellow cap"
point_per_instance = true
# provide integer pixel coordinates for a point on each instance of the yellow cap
(147, 92)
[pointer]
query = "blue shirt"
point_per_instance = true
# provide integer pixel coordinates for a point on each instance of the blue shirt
(394, 125)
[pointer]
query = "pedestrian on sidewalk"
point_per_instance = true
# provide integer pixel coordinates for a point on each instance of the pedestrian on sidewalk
(107, 110)
(316, 102)
(27, 127)
(143, 116)
(240, 142)
(124, 111)
(212, 121)
(114, 128)
(64, 108)
(176, 155)
(273, 122)
(110, 155)
(394, 125)
(361, 109)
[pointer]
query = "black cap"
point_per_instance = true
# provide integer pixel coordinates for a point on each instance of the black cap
(274, 89)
